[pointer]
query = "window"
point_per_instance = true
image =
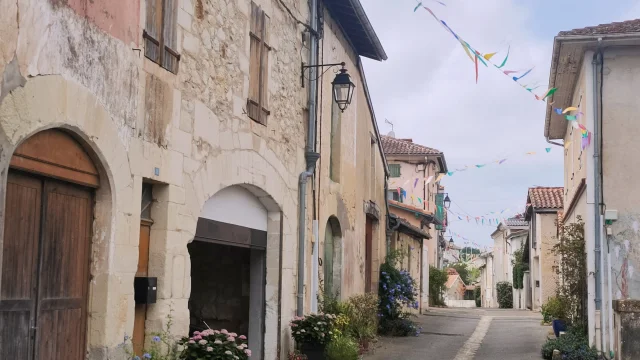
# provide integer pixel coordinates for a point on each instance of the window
(258, 65)
(394, 170)
(336, 143)
(160, 39)
(394, 195)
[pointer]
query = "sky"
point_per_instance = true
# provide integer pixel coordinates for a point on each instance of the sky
(427, 90)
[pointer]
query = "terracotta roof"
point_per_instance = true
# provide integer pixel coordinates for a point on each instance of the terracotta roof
(405, 147)
(516, 222)
(414, 230)
(451, 280)
(624, 27)
(546, 197)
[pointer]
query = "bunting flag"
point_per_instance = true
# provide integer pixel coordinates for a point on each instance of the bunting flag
(499, 162)
(415, 183)
(486, 59)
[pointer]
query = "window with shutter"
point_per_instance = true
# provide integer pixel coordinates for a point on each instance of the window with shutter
(257, 108)
(160, 39)
(394, 170)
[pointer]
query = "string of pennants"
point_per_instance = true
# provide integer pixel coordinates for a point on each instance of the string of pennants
(490, 219)
(516, 75)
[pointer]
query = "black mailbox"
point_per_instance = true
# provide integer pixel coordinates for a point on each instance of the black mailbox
(146, 289)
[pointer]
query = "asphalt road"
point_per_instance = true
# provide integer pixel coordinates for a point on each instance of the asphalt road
(468, 334)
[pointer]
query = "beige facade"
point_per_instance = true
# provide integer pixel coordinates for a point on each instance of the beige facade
(414, 170)
(509, 237)
(83, 69)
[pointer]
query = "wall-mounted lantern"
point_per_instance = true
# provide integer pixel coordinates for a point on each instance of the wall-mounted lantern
(342, 85)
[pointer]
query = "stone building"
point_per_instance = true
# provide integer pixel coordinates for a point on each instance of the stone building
(509, 237)
(415, 171)
(164, 140)
(543, 205)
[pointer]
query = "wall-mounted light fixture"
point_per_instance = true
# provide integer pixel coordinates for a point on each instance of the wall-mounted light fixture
(342, 85)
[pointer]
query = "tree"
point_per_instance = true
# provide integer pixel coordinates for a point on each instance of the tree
(468, 275)
(437, 282)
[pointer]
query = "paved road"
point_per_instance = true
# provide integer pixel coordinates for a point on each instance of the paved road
(469, 334)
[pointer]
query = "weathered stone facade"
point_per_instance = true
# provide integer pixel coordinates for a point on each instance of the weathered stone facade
(78, 65)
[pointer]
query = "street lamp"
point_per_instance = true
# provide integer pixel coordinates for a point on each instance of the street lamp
(342, 85)
(451, 243)
(447, 202)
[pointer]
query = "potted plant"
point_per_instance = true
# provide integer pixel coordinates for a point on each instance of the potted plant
(214, 344)
(312, 333)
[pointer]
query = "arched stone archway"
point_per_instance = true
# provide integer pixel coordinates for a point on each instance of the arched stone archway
(44, 104)
(236, 243)
(332, 257)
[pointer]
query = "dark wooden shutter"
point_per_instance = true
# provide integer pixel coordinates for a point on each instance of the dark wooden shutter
(170, 55)
(64, 272)
(19, 266)
(258, 65)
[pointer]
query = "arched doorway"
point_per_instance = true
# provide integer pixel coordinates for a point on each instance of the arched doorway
(229, 264)
(332, 259)
(46, 249)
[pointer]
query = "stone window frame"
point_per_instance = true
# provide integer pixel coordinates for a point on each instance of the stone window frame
(160, 34)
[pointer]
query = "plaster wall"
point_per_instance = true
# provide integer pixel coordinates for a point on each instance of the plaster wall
(361, 171)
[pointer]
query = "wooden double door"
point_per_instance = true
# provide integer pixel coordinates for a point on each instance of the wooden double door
(45, 269)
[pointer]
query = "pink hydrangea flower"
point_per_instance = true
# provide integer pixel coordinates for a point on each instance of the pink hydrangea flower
(231, 338)
(209, 349)
(202, 342)
(233, 334)
(196, 333)
(218, 342)
(248, 352)
(242, 337)
(197, 337)
(224, 331)
(191, 342)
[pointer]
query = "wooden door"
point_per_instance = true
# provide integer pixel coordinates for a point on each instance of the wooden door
(64, 272)
(143, 269)
(43, 312)
(368, 268)
(19, 266)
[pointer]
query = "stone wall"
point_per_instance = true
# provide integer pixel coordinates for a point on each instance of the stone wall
(72, 66)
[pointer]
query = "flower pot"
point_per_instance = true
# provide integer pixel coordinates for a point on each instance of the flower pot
(558, 326)
(313, 351)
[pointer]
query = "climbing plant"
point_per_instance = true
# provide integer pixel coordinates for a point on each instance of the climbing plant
(572, 271)
(520, 265)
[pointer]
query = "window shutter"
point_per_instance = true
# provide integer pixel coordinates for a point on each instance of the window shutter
(152, 30)
(170, 56)
(258, 65)
(394, 170)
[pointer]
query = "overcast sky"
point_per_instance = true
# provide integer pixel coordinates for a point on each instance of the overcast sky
(427, 89)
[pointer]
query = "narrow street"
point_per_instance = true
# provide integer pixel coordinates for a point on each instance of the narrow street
(469, 334)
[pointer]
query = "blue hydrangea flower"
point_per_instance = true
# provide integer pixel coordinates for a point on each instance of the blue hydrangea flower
(146, 356)
(156, 339)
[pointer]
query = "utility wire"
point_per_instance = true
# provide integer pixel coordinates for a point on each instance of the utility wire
(306, 26)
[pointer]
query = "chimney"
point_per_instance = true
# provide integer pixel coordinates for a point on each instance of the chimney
(407, 140)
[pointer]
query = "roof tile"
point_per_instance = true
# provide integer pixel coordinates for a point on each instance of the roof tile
(405, 147)
(546, 197)
(624, 27)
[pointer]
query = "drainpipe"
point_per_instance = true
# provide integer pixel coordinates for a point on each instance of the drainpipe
(596, 62)
(311, 156)
(388, 227)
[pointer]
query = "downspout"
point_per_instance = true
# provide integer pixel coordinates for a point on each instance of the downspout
(310, 155)
(388, 227)
(596, 62)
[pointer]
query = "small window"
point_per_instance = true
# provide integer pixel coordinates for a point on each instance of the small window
(258, 65)
(393, 195)
(394, 170)
(160, 39)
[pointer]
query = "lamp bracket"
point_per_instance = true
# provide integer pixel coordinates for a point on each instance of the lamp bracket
(305, 67)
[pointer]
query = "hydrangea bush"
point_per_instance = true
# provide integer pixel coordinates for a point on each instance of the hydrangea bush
(397, 290)
(313, 329)
(214, 345)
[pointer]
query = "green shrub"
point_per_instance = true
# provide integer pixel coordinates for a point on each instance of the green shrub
(362, 313)
(477, 293)
(399, 327)
(554, 309)
(342, 348)
(437, 283)
(397, 290)
(573, 345)
(505, 295)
